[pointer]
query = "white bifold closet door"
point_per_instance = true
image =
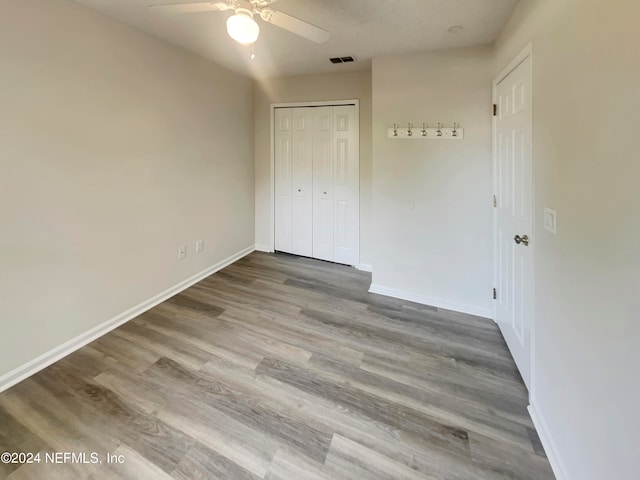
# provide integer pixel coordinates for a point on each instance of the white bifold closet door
(317, 183)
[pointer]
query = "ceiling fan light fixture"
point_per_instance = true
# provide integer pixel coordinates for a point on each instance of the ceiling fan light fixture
(242, 27)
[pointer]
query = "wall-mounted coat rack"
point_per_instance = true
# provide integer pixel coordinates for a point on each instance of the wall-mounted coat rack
(424, 131)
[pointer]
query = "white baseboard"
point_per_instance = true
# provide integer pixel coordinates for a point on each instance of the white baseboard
(434, 302)
(264, 248)
(550, 447)
(26, 370)
(365, 267)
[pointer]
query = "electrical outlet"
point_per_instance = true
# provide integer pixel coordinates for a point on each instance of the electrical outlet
(199, 246)
(182, 252)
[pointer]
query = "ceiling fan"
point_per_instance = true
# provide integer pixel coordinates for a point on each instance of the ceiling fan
(241, 26)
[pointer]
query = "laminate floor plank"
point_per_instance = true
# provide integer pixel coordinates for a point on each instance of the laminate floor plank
(239, 443)
(19, 436)
(249, 410)
(396, 416)
(281, 367)
(287, 465)
(300, 330)
(108, 416)
(164, 345)
(348, 459)
(202, 463)
(132, 354)
(452, 384)
(452, 377)
(464, 413)
(214, 344)
(365, 334)
(512, 463)
(60, 433)
(293, 331)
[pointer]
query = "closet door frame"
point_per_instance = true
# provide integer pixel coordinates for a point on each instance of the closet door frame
(328, 103)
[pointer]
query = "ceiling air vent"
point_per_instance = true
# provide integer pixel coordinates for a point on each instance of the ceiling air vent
(342, 59)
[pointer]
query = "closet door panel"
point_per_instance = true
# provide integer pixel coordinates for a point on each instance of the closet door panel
(323, 211)
(346, 186)
(302, 181)
(283, 179)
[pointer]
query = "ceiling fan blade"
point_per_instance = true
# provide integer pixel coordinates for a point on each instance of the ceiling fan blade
(262, 3)
(299, 27)
(191, 7)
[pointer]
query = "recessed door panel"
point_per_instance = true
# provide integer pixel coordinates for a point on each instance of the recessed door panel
(343, 122)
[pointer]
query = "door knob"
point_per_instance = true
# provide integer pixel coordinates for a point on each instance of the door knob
(521, 239)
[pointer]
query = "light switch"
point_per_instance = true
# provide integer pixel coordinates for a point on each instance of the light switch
(550, 220)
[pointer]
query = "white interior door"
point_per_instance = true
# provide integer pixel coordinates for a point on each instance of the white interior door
(302, 181)
(346, 186)
(323, 219)
(513, 221)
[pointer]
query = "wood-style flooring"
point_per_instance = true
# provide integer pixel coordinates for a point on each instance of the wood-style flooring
(281, 368)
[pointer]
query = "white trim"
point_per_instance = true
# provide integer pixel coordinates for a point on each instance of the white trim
(264, 248)
(534, 245)
(325, 103)
(549, 444)
(365, 267)
(26, 370)
(434, 302)
(272, 178)
(515, 63)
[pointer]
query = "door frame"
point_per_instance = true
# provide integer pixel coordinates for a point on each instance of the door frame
(272, 133)
(526, 53)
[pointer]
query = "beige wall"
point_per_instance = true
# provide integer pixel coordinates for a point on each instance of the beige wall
(586, 388)
(431, 198)
(115, 148)
(312, 88)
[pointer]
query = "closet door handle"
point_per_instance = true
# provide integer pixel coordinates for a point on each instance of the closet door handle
(521, 239)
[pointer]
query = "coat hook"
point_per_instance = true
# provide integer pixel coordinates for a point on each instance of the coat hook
(439, 132)
(409, 132)
(395, 129)
(424, 129)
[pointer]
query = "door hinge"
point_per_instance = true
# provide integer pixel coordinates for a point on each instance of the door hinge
(495, 110)
(495, 202)
(495, 294)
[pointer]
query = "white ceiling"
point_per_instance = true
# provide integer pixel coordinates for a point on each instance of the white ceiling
(362, 28)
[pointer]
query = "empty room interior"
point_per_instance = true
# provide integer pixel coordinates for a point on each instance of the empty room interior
(319, 239)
